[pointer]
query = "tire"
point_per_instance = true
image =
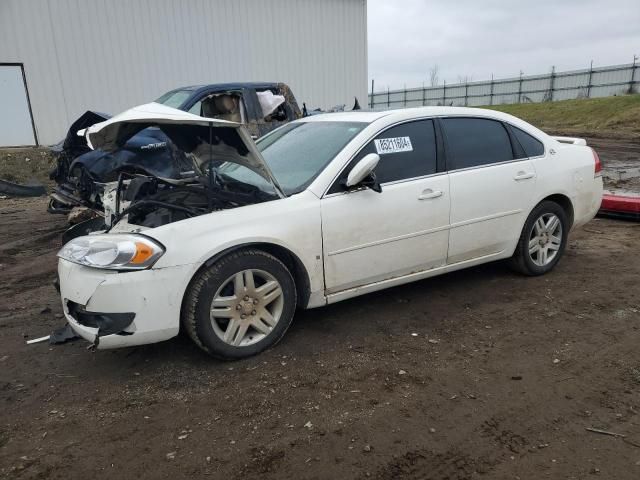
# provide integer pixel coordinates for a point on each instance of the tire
(261, 314)
(536, 238)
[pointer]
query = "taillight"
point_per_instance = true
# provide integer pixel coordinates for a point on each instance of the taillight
(598, 164)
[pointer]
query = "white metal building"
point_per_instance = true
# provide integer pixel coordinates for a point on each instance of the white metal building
(59, 58)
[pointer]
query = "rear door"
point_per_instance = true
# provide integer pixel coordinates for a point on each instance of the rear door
(492, 187)
(370, 236)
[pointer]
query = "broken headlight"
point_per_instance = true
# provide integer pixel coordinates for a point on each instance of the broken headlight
(113, 252)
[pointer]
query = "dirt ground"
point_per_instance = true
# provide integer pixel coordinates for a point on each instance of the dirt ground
(475, 374)
(621, 163)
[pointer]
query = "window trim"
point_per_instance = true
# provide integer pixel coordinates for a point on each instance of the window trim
(440, 157)
(515, 138)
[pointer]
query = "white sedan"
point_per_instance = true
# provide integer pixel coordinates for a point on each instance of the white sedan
(323, 209)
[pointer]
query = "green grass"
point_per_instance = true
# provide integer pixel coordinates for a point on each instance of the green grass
(614, 117)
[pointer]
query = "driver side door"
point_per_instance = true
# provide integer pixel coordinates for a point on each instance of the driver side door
(370, 237)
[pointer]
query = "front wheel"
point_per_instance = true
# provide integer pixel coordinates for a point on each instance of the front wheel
(542, 241)
(240, 305)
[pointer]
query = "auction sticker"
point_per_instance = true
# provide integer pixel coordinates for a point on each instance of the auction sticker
(393, 145)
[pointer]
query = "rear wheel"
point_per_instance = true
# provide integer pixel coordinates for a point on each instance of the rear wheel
(542, 241)
(240, 305)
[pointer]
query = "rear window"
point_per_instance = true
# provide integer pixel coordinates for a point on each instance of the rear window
(473, 142)
(532, 146)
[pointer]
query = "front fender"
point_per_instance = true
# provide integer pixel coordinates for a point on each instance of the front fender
(292, 224)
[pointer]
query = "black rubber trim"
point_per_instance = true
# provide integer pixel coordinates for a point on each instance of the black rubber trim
(17, 190)
(106, 323)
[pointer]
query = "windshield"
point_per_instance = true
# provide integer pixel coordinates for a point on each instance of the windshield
(297, 152)
(174, 98)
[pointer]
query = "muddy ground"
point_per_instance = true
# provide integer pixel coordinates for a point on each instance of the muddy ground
(621, 164)
(476, 374)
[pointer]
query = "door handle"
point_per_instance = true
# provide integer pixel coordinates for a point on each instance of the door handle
(429, 194)
(524, 176)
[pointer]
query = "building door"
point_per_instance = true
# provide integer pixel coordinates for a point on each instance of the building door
(16, 126)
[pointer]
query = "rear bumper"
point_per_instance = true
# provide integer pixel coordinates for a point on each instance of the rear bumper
(111, 309)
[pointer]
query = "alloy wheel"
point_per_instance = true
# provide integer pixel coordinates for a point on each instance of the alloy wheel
(247, 307)
(545, 239)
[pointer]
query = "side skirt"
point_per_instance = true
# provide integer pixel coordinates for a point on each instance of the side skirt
(412, 277)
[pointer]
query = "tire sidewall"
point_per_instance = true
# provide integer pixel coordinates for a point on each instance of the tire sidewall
(221, 271)
(543, 208)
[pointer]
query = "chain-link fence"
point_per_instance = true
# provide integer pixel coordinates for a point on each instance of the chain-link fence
(587, 83)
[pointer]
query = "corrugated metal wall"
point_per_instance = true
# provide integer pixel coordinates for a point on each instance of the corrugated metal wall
(595, 82)
(108, 55)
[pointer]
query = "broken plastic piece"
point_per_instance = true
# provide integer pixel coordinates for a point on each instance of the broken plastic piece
(38, 340)
(106, 323)
(62, 335)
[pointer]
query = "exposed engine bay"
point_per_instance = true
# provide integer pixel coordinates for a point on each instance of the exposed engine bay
(152, 202)
(211, 165)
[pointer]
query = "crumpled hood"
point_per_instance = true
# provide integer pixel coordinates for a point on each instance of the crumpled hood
(113, 133)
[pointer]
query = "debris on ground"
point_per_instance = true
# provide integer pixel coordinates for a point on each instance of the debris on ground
(62, 335)
(38, 340)
(19, 190)
(605, 432)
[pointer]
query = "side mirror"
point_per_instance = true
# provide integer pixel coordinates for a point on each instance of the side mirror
(362, 169)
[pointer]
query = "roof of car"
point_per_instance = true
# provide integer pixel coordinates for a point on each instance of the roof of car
(230, 86)
(404, 114)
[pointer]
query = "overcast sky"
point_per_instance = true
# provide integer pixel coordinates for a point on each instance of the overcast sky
(476, 38)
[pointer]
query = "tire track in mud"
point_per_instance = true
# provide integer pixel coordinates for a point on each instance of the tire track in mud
(428, 465)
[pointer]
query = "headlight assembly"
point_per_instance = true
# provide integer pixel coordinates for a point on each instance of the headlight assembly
(113, 252)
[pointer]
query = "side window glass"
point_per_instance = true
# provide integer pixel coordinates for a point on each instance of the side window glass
(472, 142)
(532, 146)
(406, 151)
(197, 108)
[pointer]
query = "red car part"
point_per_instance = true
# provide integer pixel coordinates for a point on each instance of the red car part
(620, 206)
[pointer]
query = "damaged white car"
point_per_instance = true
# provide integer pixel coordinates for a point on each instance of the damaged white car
(320, 210)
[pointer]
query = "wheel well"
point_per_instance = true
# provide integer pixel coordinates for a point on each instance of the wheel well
(564, 202)
(292, 262)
